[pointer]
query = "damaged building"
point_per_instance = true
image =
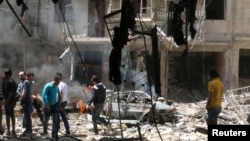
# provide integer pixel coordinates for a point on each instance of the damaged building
(139, 48)
(173, 42)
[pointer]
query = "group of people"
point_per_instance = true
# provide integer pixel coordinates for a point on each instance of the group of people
(54, 101)
(54, 98)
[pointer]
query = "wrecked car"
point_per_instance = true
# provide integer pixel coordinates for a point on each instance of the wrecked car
(135, 105)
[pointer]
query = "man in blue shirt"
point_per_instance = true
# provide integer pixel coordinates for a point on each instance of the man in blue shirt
(51, 97)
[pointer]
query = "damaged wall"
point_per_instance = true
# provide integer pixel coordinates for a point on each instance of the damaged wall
(225, 38)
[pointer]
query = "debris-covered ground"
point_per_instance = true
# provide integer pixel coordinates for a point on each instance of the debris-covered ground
(187, 124)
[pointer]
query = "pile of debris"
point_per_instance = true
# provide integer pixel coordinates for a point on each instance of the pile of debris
(187, 123)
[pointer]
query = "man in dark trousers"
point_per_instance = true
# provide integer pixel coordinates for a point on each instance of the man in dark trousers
(9, 100)
(63, 88)
(22, 77)
(1, 109)
(51, 98)
(97, 98)
(215, 96)
(36, 101)
(26, 102)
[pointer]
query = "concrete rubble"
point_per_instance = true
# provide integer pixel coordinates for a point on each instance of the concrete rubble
(188, 124)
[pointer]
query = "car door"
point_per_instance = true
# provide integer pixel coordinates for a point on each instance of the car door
(112, 108)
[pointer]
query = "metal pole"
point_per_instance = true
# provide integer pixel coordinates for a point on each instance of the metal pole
(24, 41)
(186, 28)
(24, 55)
(118, 99)
(11, 8)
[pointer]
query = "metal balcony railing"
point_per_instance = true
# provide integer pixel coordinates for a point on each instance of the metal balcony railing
(147, 10)
(239, 100)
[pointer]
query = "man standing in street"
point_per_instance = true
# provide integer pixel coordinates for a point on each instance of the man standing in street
(1, 107)
(22, 77)
(9, 100)
(63, 103)
(97, 98)
(35, 100)
(214, 101)
(26, 102)
(51, 98)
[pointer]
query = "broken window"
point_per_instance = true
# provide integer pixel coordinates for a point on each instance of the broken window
(139, 6)
(244, 68)
(215, 9)
(91, 65)
(64, 9)
(96, 12)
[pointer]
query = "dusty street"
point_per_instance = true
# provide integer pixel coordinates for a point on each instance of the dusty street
(184, 127)
(188, 124)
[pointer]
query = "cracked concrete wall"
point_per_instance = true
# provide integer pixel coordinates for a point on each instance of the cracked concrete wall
(227, 36)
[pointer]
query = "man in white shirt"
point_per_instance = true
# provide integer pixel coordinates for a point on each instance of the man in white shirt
(63, 103)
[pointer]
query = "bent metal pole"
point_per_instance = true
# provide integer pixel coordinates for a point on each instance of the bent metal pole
(26, 30)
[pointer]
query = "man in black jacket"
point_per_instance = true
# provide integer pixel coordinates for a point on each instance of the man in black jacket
(97, 98)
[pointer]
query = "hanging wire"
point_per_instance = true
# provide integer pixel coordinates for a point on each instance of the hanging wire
(38, 15)
(149, 80)
(74, 44)
(200, 26)
(66, 41)
(19, 20)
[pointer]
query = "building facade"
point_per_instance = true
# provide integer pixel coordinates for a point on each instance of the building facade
(75, 36)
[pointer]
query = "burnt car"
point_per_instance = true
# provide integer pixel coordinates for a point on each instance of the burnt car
(136, 105)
